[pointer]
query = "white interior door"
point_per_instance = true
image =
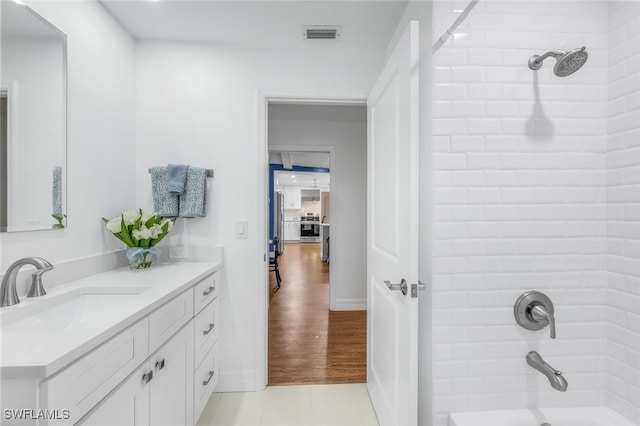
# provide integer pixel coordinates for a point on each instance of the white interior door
(392, 236)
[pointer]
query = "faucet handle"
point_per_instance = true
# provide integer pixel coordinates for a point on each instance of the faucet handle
(540, 313)
(552, 325)
(534, 310)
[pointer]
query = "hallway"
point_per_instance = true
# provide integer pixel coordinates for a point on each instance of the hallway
(308, 343)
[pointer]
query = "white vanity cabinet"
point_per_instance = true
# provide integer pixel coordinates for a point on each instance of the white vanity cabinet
(161, 370)
(157, 393)
(170, 389)
(126, 406)
(206, 332)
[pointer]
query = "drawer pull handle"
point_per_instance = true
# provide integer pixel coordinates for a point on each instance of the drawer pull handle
(146, 378)
(211, 327)
(209, 290)
(206, 382)
(160, 364)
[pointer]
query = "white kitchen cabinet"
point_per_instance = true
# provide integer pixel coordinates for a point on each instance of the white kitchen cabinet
(295, 231)
(292, 231)
(292, 197)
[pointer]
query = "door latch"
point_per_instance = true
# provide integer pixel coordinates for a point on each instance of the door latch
(416, 287)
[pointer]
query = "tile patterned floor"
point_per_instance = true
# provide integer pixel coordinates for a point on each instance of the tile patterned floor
(308, 405)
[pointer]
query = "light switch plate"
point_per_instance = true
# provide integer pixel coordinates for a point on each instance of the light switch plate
(178, 252)
(242, 229)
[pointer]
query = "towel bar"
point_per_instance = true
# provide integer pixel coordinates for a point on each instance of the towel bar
(209, 173)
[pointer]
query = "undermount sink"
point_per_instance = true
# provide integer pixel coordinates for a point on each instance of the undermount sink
(72, 310)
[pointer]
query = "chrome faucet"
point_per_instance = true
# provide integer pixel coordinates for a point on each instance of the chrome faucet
(558, 382)
(8, 292)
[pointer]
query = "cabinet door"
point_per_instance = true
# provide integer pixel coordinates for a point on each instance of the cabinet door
(287, 231)
(171, 390)
(295, 232)
(288, 199)
(128, 405)
(296, 197)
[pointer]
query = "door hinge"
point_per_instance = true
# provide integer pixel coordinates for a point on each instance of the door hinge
(416, 287)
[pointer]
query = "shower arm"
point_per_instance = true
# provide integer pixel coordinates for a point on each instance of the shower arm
(535, 62)
(553, 53)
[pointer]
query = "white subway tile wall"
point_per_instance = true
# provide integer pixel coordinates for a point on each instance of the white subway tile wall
(623, 199)
(533, 174)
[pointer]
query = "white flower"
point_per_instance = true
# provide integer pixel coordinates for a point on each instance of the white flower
(131, 216)
(146, 216)
(143, 233)
(156, 231)
(115, 225)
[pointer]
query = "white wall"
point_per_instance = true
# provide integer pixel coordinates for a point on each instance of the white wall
(520, 204)
(36, 67)
(101, 135)
(623, 199)
(345, 129)
(198, 104)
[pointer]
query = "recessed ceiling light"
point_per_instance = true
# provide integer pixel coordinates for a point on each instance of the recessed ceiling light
(293, 176)
(20, 2)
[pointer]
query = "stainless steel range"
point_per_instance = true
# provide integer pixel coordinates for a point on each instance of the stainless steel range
(310, 228)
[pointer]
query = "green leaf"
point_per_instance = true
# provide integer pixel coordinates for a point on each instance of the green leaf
(151, 221)
(118, 236)
(124, 233)
(137, 224)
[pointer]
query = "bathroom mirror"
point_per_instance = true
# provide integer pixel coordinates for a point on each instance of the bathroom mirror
(33, 133)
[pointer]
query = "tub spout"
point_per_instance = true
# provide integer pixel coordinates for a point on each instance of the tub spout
(558, 382)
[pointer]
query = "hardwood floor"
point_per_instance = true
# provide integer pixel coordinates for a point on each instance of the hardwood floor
(308, 343)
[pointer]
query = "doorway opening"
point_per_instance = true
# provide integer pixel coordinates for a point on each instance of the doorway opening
(317, 235)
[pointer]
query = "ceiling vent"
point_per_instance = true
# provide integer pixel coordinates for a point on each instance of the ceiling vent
(322, 32)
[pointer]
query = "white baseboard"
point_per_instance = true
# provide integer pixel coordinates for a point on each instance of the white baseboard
(237, 381)
(349, 305)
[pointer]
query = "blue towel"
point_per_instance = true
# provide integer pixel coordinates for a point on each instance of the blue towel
(56, 189)
(176, 178)
(164, 203)
(193, 202)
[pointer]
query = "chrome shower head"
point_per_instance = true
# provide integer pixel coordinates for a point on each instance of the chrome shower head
(566, 63)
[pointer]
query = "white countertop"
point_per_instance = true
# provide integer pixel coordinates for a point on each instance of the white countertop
(37, 349)
(324, 224)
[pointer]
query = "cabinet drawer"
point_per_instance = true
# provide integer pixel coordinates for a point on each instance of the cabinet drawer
(82, 385)
(205, 380)
(205, 291)
(206, 330)
(169, 318)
